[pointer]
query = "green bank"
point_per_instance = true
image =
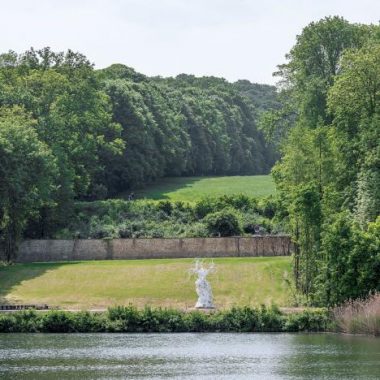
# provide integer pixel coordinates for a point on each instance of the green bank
(158, 283)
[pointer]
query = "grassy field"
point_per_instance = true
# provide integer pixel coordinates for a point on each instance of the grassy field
(194, 188)
(99, 284)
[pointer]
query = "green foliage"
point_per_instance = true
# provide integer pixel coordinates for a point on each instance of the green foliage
(328, 176)
(130, 319)
(57, 322)
(107, 131)
(305, 213)
(57, 100)
(182, 126)
(223, 223)
(23, 187)
(308, 321)
(352, 258)
(224, 216)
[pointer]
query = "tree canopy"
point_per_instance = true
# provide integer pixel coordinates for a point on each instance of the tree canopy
(328, 175)
(114, 129)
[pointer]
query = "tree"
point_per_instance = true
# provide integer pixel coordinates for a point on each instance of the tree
(330, 151)
(72, 114)
(223, 223)
(354, 100)
(314, 61)
(27, 169)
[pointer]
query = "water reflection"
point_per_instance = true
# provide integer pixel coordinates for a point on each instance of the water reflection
(185, 356)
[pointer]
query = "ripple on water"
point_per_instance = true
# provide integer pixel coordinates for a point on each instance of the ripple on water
(195, 356)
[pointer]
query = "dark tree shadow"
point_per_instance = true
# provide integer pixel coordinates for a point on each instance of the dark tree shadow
(161, 188)
(13, 275)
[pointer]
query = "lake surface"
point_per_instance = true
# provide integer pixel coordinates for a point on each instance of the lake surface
(189, 356)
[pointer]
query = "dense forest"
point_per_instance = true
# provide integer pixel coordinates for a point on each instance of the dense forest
(183, 126)
(69, 132)
(328, 129)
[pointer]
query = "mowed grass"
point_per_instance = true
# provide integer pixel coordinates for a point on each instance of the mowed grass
(194, 188)
(165, 282)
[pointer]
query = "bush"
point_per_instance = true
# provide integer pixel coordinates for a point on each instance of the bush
(130, 319)
(239, 202)
(223, 223)
(251, 220)
(85, 321)
(57, 322)
(165, 206)
(7, 323)
(204, 207)
(307, 321)
(268, 207)
(116, 218)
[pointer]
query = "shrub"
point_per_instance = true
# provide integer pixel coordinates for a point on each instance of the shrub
(146, 218)
(196, 321)
(128, 316)
(196, 230)
(85, 321)
(239, 202)
(57, 322)
(130, 319)
(7, 323)
(307, 321)
(271, 319)
(223, 223)
(165, 206)
(27, 321)
(125, 231)
(204, 207)
(250, 220)
(268, 207)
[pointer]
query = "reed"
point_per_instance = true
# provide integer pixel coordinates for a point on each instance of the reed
(361, 316)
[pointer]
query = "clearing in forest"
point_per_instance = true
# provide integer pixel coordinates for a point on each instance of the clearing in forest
(194, 188)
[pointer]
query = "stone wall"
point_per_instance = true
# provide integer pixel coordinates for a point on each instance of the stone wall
(71, 250)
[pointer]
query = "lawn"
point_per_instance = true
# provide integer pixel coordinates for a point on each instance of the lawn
(194, 188)
(166, 282)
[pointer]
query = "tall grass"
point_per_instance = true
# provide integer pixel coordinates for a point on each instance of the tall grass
(361, 316)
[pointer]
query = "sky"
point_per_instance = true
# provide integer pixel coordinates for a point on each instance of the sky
(234, 39)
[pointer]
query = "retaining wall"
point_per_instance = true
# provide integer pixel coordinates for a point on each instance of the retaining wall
(74, 250)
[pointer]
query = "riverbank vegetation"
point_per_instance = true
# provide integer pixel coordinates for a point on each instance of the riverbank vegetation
(132, 320)
(360, 316)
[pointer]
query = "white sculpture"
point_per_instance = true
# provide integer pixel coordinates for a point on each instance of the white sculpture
(203, 288)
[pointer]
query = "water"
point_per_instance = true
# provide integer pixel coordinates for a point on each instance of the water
(188, 356)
